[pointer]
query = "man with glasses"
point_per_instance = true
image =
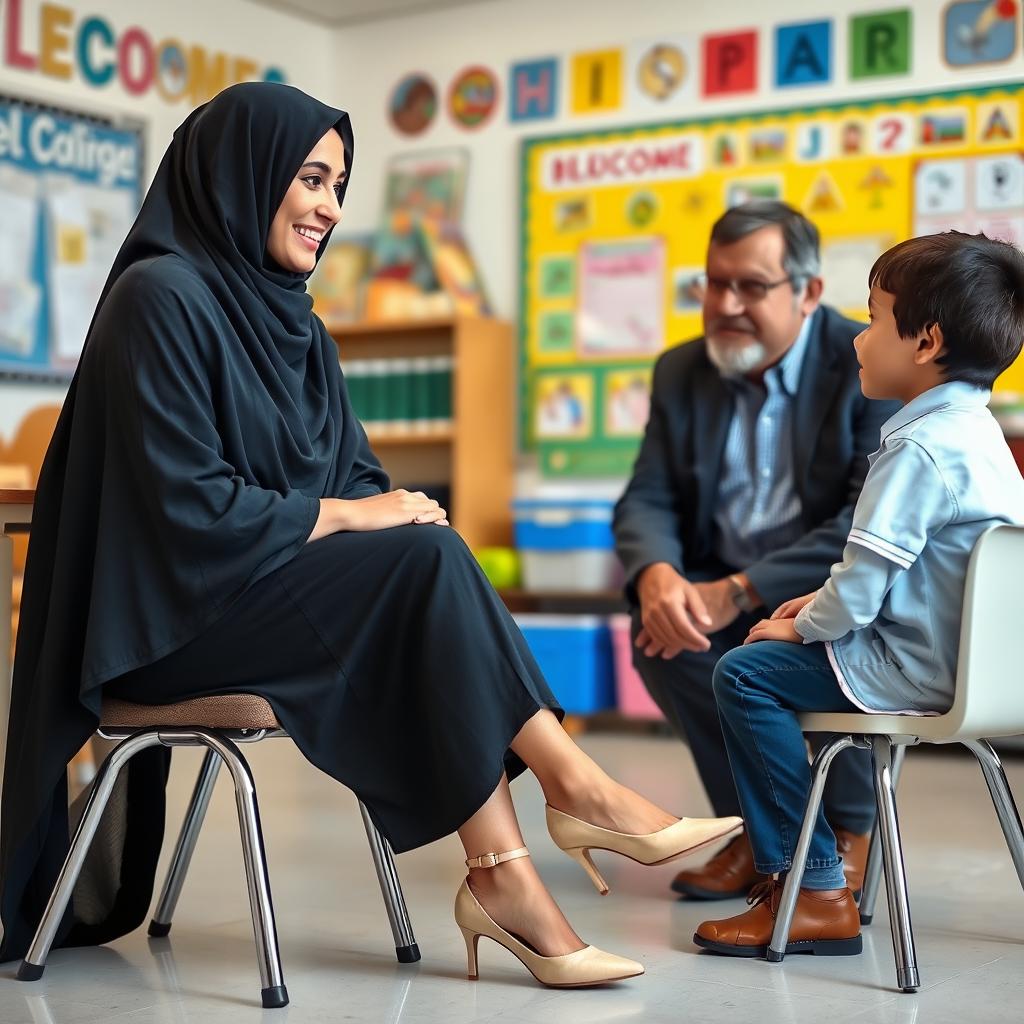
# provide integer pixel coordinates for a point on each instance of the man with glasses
(742, 497)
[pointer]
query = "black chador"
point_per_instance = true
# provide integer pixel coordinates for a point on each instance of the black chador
(169, 557)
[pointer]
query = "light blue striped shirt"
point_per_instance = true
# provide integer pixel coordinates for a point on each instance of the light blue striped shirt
(890, 612)
(758, 508)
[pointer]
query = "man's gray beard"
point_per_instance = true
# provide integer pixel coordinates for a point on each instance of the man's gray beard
(736, 360)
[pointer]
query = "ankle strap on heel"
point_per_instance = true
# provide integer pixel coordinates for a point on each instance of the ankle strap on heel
(492, 860)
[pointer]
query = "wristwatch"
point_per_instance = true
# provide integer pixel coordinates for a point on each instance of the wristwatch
(741, 596)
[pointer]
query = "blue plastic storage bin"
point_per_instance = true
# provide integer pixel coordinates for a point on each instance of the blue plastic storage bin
(575, 654)
(549, 524)
(566, 544)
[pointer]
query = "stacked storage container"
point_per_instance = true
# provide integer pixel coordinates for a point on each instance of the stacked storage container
(574, 653)
(632, 698)
(566, 545)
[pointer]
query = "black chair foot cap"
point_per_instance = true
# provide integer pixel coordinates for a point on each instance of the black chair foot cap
(866, 918)
(275, 996)
(910, 990)
(408, 954)
(157, 929)
(774, 958)
(30, 972)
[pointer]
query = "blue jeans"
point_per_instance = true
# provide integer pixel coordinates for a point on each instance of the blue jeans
(760, 689)
(681, 687)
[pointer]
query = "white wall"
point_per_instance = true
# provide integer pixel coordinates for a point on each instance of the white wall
(372, 58)
(239, 29)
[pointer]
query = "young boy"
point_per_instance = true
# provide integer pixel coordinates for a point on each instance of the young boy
(882, 634)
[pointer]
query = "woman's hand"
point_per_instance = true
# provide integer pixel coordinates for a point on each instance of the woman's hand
(377, 512)
(774, 629)
(792, 608)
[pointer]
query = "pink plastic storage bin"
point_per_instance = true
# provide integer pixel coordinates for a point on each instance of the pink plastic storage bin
(631, 695)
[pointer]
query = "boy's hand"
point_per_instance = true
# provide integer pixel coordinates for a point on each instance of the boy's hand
(774, 629)
(790, 609)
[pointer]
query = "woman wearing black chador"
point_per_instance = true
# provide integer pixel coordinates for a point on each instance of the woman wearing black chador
(210, 519)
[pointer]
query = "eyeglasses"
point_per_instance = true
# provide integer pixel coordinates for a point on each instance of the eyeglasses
(747, 290)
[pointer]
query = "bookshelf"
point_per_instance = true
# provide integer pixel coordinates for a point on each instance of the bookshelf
(474, 456)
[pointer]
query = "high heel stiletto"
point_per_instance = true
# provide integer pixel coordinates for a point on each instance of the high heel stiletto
(688, 835)
(586, 966)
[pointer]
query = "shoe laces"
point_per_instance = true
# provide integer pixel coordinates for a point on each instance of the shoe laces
(762, 892)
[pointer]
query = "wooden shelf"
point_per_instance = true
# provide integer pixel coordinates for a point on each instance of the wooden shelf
(475, 457)
(405, 327)
(519, 593)
(17, 496)
(396, 440)
(597, 602)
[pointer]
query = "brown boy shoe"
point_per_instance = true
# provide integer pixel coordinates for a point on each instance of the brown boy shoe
(854, 851)
(728, 874)
(824, 923)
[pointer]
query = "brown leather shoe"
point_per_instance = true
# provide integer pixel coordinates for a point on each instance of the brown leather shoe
(823, 923)
(728, 874)
(854, 851)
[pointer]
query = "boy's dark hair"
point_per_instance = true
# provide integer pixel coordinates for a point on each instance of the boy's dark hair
(972, 286)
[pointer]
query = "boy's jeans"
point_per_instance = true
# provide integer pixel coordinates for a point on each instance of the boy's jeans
(760, 689)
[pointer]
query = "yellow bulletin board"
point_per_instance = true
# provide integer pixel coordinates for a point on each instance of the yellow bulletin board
(615, 225)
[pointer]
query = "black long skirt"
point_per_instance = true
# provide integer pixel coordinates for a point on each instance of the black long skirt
(390, 661)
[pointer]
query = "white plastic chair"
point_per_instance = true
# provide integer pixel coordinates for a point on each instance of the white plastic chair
(989, 703)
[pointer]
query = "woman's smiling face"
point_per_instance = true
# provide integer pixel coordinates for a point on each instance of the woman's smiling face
(310, 208)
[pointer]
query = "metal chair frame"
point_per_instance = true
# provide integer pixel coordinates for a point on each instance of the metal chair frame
(886, 851)
(221, 748)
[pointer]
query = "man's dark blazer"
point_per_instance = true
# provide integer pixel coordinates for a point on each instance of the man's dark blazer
(666, 513)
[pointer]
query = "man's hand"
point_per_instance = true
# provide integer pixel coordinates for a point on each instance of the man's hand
(718, 600)
(672, 612)
(774, 629)
(792, 608)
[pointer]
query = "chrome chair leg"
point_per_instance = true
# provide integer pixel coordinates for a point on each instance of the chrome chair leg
(791, 890)
(873, 868)
(1002, 800)
(274, 992)
(32, 966)
(907, 976)
(160, 925)
(406, 949)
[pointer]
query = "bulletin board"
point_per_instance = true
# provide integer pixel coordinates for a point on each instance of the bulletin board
(615, 225)
(70, 188)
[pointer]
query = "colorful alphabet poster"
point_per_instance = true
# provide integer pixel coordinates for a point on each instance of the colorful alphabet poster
(615, 225)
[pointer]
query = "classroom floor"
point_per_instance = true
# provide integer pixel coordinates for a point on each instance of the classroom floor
(338, 956)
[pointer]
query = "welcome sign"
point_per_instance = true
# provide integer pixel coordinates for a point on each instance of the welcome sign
(64, 45)
(624, 163)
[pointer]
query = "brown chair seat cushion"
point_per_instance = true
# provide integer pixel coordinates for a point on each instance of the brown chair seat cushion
(233, 711)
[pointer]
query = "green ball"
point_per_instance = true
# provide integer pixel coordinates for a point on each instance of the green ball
(500, 566)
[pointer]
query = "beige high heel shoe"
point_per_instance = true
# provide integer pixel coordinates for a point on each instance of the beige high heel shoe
(586, 966)
(688, 835)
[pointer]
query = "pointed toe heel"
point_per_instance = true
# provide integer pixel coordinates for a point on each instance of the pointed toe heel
(578, 838)
(580, 968)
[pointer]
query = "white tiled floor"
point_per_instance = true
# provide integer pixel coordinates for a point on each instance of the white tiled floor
(339, 962)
